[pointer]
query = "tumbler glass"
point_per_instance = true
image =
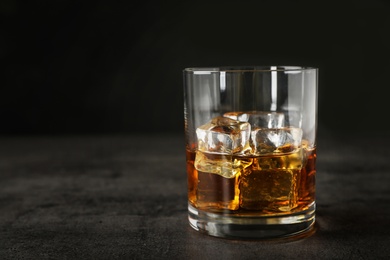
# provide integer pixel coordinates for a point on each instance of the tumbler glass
(251, 150)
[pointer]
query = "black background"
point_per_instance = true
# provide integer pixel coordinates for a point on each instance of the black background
(72, 67)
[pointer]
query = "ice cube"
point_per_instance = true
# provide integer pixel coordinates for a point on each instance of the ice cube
(223, 135)
(218, 140)
(275, 140)
(220, 164)
(270, 190)
(261, 119)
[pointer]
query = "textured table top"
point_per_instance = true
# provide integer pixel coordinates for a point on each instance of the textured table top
(110, 197)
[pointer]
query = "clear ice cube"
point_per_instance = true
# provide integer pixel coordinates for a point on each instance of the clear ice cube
(275, 140)
(223, 135)
(261, 119)
(218, 140)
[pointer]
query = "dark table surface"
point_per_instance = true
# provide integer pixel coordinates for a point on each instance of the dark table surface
(124, 196)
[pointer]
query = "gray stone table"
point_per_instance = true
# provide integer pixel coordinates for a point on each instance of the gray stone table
(124, 197)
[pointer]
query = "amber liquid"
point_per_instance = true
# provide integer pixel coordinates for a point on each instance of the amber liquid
(261, 185)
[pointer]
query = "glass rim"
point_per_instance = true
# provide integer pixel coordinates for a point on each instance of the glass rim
(262, 68)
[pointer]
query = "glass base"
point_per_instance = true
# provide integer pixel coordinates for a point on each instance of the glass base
(253, 227)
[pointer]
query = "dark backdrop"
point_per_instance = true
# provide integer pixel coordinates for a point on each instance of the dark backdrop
(116, 66)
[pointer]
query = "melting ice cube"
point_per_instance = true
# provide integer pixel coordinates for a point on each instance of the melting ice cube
(218, 140)
(223, 135)
(275, 140)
